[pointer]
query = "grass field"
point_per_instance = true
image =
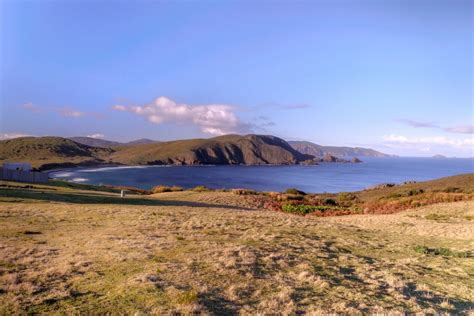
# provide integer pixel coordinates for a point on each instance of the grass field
(82, 249)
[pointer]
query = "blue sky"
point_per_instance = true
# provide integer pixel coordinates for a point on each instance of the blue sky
(392, 75)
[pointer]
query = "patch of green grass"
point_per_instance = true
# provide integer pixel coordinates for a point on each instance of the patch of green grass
(305, 209)
(80, 186)
(71, 197)
(445, 252)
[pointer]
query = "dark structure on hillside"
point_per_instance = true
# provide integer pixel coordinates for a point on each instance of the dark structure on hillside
(21, 172)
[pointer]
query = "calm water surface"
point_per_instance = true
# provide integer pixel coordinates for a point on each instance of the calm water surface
(330, 177)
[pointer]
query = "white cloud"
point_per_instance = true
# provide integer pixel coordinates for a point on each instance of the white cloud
(12, 135)
(96, 136)
(214, 119)
(437, 140)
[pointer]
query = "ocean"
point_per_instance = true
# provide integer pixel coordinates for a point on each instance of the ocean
(325, 177)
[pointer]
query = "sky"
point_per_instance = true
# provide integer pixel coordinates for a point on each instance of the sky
(396, 76)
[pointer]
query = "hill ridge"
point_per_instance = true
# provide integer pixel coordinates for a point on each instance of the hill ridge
(316, 150)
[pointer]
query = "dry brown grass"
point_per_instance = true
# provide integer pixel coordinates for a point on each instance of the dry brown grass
(214, 253)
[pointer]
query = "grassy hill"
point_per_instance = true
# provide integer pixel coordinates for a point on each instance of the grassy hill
(49, 151)
(229, 149)
(319, 151)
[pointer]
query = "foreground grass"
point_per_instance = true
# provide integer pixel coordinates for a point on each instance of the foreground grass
(78, 251)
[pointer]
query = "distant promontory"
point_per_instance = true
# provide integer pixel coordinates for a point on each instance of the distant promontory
(54, 152)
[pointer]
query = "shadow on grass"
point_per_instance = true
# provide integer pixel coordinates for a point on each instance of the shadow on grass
(426, 299)
(216, 304)
(93, 198)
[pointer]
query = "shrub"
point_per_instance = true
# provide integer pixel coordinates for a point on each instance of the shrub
(294, 191)
(304, 209)
(405, 193)
(289, 197)
(414, 192)
(330, 202)
(176, 188)
(452, 190)
(200, 188)
(164, 188)
(421, 249)
(346, 197)
(243, 192)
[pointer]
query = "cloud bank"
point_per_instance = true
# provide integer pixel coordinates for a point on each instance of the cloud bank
(459, 129)
(12, 135)
(434, 145)
(438, 140)
(213, 119)
(96, 136)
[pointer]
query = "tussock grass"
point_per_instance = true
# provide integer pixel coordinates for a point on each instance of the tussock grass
(163, 188)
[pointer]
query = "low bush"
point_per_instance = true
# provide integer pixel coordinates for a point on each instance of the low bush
(414, 192)
(243, 192)
(294, 191)
(346, 197)
(200, 188)
(304, 209)
(330, 202)
(453, 190)
(164, 188)
(289, 197)
(405, 193)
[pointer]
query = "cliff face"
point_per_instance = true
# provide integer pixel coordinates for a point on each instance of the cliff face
(226, 150)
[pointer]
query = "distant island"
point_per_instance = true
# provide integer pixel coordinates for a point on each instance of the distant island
(439, 157)
(58, 152)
